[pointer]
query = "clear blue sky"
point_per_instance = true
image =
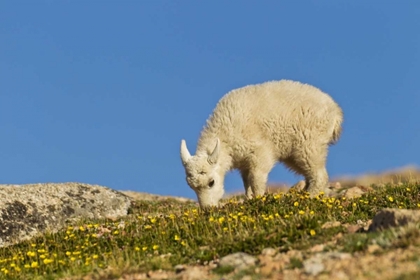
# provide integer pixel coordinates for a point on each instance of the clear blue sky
(102, 92)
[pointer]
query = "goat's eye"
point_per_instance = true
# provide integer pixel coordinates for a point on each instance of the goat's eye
(211, 183)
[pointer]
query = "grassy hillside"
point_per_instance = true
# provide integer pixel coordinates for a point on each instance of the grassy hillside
(406, 174)
(162, 234)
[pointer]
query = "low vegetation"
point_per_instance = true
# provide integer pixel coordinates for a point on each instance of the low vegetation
(162, 234)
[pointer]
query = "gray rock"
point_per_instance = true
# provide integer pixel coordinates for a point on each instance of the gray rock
(179, 268)
(238, 261)
(313, 266)
(333, 255)
(387, 218)
(194, 273)
(354, 192)
(29, 210)
(269, 252)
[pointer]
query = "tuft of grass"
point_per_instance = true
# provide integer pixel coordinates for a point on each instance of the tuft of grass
(409, 276)
(162, 234)
(295, 263)
(222, 270)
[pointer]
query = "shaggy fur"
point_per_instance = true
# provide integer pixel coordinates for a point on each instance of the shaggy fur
(254, 127)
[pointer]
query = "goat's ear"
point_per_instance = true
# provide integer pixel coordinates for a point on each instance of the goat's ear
(185, 154)
(214, 156)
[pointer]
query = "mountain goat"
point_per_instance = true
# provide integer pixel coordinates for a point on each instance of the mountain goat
(254, 127)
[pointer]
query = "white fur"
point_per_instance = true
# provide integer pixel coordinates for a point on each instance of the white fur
(254, 127)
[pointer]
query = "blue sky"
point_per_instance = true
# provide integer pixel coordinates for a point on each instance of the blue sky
(102, 92)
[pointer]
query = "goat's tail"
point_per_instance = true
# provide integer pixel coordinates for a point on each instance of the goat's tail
(337, 130)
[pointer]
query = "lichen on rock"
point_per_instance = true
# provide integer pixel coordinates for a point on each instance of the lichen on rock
(29, 210)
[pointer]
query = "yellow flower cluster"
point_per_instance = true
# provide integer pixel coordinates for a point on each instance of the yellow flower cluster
(38, 256)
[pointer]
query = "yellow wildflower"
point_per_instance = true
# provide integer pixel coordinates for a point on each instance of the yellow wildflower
(31, 254)
(48, 261)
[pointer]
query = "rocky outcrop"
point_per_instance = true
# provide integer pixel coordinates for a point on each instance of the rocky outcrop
(238, 261)
(29, 210)
(387, 218)
(154, 197)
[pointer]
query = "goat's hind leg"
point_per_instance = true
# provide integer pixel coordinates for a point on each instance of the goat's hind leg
(311, 164)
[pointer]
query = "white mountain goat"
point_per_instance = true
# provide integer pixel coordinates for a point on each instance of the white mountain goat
(254, 127)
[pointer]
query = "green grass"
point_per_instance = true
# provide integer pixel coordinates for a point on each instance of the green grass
(409, 276)
(160, 235)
